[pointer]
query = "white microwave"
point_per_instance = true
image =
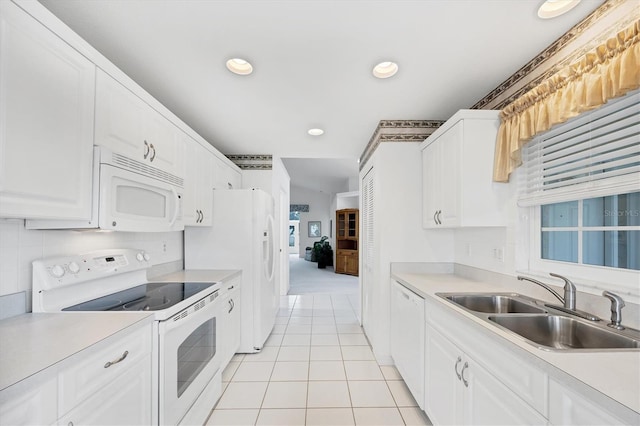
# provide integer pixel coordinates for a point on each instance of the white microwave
(129, 196)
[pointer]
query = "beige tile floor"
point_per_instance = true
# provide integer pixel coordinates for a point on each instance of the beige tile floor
(316, 368)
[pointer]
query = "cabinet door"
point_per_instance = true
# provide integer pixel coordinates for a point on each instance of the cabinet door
(30, 404)
(224, 177)
(120, 119)
(450, 145)
(569, 408)
(198, 196)
(234, 178)
(488, 402)
(430, 185)
(130, 127)
(443, 390)
(167, 149)
(352, 263)
(124, 401)
(47, 94)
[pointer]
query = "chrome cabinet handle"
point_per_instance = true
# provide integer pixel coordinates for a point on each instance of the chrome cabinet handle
(439, 219)
(110, 363)
(230, 306)
(456, 368)
(230, 288)
(434, 217)
(146, 151)
(466, 383)
(153, 156)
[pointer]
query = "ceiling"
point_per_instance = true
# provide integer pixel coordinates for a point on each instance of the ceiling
(312, 65)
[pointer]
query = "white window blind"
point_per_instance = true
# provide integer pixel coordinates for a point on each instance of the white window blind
(596, 154)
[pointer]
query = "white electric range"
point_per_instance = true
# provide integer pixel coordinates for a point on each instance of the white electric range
(186, 337)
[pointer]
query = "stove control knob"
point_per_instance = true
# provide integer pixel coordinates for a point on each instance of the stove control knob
(57, 271)
(74, 268)
(140, 256)
(146, 256)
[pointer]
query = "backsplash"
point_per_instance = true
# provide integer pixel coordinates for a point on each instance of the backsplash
(19, 247)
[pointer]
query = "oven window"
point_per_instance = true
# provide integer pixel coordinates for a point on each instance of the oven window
(195, 353)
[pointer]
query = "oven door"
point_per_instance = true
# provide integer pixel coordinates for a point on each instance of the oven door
(133, 202)
(189, 357)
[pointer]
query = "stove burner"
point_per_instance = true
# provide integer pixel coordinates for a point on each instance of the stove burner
(148, 304)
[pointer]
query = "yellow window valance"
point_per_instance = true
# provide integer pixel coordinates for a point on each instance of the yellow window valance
(608, 71)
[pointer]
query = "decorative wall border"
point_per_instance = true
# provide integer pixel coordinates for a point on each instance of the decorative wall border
(543, 57)
(252, 161)
(398, 131)
(304, 208)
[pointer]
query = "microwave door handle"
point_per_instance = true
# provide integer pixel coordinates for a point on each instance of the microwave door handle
(177, 208)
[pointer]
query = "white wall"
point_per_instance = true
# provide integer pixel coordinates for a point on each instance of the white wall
(19, 247)
(347, 202)
(497, 249)
(319, 209)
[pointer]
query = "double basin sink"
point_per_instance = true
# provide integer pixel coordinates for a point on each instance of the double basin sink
(542, 326)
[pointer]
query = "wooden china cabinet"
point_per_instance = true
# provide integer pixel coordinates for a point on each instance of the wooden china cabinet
(347, 241)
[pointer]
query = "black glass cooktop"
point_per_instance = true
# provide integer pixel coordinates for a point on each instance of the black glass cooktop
(145, 297)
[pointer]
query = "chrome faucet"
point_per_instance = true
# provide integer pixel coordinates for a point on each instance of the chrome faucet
(616, 310)
(569, 299)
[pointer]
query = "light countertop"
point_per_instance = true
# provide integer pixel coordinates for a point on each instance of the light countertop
(614, 374)
(30, 343)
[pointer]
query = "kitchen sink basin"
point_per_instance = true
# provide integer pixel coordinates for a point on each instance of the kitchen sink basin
(495, 303)
(560, 332)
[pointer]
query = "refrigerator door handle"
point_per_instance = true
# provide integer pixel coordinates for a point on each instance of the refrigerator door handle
(269, 250)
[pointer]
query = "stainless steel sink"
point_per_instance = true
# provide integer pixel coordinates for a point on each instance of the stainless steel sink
(560, 332)
(542, 325)
(495, 303)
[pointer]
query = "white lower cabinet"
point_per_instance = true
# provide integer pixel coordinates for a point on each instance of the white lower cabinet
(231, 320)
(567, 407)
(30, 403)
(461, 391)
(109, 383)
(124, 401)
(407, 338)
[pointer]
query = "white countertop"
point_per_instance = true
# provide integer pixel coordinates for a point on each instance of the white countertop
(199, 275)
(30, 343)
(614, 374)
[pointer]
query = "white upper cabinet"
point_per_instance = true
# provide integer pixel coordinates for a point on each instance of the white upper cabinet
(130, 127)
(225, 176)
(198, 195)
(46, 122)
(457, 171)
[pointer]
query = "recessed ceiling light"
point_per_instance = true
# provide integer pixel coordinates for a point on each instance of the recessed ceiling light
(315, 132)
(239, 66)
(385, 69)
(552, 8)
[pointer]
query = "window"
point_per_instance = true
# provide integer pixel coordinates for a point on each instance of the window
(581, 182)
(603, 231)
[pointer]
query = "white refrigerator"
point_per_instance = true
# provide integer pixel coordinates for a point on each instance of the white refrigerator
(241, 237)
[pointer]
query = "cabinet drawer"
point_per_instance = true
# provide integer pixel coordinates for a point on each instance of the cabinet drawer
(124, 401)
(91, 373)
